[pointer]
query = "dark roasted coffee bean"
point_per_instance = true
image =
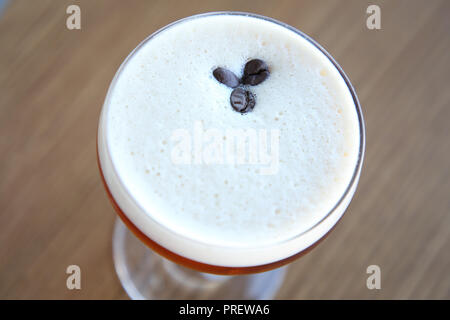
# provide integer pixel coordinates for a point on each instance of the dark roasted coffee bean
(255, 72)
(226, 77)
(242, 100)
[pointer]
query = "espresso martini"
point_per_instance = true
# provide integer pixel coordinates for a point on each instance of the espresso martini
(223, 160)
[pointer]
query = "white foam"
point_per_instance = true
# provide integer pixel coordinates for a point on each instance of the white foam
(219, 213)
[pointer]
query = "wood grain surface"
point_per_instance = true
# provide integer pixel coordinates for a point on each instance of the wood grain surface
(54, 211)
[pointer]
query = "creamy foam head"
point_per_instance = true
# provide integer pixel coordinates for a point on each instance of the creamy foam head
(165, 101)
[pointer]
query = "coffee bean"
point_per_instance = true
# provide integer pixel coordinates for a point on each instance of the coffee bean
(226, 77)
(242, 100)
(255, 72)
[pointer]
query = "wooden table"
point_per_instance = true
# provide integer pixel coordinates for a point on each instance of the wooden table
(54, 211)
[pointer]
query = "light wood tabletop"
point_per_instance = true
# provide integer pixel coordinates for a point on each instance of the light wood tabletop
(54, 211)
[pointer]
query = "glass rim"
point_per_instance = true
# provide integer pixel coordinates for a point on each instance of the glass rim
(356, 172)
